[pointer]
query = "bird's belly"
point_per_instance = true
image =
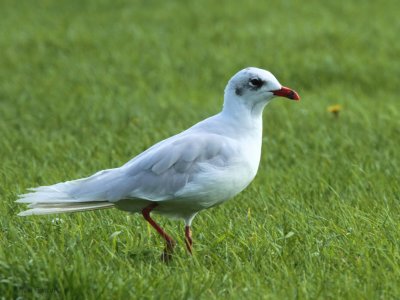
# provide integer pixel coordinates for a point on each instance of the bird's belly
(211, 185)
(214, 187)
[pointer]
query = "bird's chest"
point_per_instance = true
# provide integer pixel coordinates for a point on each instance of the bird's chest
(251, 153)
(220, 184)
(243, 167)
(243, 172)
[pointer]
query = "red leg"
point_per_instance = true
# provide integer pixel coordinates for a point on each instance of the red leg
(170, 242)
(188, 239)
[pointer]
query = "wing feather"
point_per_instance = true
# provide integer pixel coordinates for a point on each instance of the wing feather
(174, 165)
(160, 173)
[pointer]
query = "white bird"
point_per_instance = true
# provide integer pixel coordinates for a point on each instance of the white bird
(199, 168)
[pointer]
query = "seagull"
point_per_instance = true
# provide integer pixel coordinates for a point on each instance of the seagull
(199, 168)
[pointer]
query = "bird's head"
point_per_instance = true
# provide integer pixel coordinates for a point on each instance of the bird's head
(253, 87)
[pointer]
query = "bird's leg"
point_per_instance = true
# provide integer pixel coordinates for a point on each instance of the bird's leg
(188, 238)
(169, 249)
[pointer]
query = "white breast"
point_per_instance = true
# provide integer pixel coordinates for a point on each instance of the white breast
(213, 186)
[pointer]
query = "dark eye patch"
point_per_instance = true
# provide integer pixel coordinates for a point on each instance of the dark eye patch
(256, 82)
(238, 91)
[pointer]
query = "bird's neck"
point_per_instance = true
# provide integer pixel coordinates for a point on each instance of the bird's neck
(244, 115)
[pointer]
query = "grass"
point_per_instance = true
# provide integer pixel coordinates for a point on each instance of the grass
(86, 85)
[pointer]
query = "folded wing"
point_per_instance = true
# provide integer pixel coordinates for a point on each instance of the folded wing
(158, 174)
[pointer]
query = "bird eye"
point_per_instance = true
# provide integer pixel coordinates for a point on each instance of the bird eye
(255, 82)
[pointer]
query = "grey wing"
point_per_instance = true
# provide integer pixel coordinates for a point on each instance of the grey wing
(158, 174)
(163, 172)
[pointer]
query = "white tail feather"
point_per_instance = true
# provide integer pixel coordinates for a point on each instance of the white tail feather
(64, 198)
(52, 208)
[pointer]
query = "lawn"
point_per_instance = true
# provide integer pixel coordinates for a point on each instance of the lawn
(87, 85)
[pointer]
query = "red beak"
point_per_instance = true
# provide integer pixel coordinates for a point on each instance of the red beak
(288, 93)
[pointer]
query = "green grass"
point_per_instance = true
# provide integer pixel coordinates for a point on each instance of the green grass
(86, 86)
